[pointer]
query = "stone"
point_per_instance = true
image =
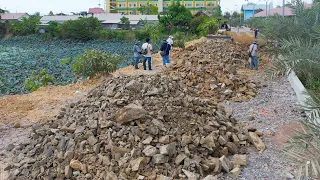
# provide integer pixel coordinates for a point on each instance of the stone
(250, 118)
(235, 139)
(159, 124)
(190, 175)
(210, 177)
(67, 172)
(169, 149)
(225, 163)
(222, 140)
(137, 163)
(147, 140)
(235, 172)
(129, 113)
(162, 177)
(96, 148)
(75, 164)
(88, 176)
(150, 151)
(180, 158)
(111, 176)
(164, 139)
(160, 159)
(140, 177)
(186, 139)
(240, 159)
(92, 140)
(16, 125)
(134, 85)
(256, 141)
(76, 173)
(232, 147)
(10, 147)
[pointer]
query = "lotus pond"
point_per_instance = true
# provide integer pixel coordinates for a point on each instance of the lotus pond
(20, 56)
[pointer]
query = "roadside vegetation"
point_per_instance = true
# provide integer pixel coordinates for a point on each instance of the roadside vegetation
(299, 40)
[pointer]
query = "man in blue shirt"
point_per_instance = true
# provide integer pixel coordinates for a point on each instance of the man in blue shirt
(136, 54)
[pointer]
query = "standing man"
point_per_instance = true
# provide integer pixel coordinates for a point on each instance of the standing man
(253, 50)
(256, 30)
(170, 42)
(164, 52)
(136, 54)
(146, 51)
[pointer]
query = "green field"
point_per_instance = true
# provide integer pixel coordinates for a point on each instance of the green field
(19, 56)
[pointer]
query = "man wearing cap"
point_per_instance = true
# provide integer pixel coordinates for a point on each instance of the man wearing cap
(254, 55)
(136, 53)
(170, 42)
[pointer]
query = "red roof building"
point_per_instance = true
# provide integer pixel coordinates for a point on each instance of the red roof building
(95, 11)
(13, 16)
(278, 11)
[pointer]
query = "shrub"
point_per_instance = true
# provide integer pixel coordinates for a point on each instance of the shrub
(26, 26)
(38, 79)
(53, 29)
(195, 23)
(81, 29)
(93, 62)
(116, 34)
(3, 29)
(209, 26)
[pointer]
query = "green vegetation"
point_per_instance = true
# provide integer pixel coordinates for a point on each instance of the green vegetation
(178, 16)
(38, 79)
(26, 27)
(20, 56)
(93, 62)
(125, 23)
(149, 9)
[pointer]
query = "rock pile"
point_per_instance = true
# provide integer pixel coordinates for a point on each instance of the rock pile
(147, 127)
(211, 68)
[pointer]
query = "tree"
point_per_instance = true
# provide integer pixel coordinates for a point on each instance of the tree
(80, 29)
(26, 26)
(3, 11)
(178, 16)
(149, 9)
(125, 23)
(226, 15)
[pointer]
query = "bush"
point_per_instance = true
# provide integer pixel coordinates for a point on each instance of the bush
(3, 29)
(53, 29)
(209, 26)
(93, 62)
(116, 34)
(195, 23)
(38, 79)
(81, 29)
(26, 26)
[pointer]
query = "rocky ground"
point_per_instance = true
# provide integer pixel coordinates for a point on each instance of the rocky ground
(160, 126)
(275, 114)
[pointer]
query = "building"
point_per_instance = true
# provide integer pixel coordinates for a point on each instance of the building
(13, 16)
(95, 11)
(132, 6)
(108, 21)
(250, 9)
(276, 11)
(288, 12)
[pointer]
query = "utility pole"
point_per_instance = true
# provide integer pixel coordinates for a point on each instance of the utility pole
(283, 10)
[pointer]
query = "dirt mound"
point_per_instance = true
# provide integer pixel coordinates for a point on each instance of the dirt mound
(211, 69)
(136, 127)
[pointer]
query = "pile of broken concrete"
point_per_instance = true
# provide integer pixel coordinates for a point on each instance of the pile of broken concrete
(147, 127)
(211, 68)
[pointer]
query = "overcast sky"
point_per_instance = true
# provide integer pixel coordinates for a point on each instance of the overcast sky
(67, 6)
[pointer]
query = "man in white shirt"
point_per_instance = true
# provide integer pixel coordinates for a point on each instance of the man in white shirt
(170, 42)
(148, 55)
(254, 55)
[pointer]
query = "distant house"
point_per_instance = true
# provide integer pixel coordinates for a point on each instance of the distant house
(276, 11)
(95, 11)
(288, 12)
(13, 16)
(108, 21)
(250, 9)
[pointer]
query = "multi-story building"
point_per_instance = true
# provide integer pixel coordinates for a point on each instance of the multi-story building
(132, 6)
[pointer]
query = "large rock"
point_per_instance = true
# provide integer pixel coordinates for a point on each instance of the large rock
(225, 163)
(138, 163)
(240, 159)
(169, 149)
(256, 141)
(129, 113)
(75, 164)
(150, 151)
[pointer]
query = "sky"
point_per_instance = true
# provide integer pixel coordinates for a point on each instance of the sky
(68, 6)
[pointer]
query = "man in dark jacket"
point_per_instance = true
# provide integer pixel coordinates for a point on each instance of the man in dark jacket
(165, 50)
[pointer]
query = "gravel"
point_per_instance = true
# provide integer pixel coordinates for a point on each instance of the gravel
(274, 106)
